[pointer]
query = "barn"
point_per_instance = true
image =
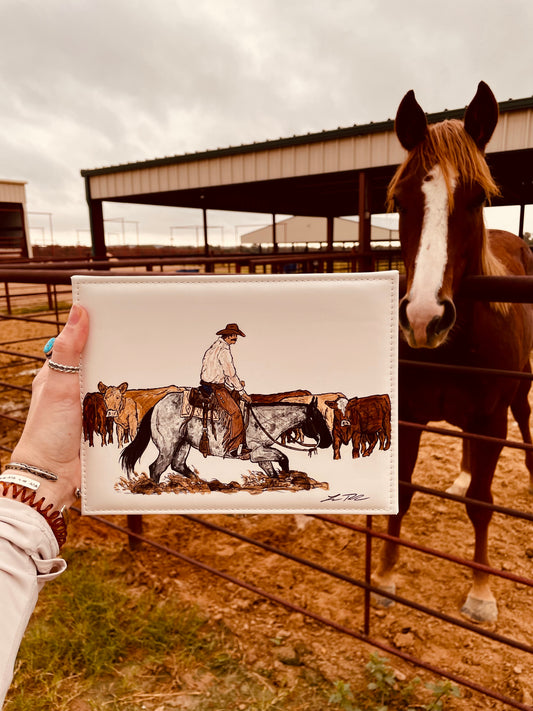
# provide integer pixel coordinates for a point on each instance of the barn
(331, 174)
(14, 233)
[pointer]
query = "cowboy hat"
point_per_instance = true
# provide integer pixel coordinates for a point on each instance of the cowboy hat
(230, 329)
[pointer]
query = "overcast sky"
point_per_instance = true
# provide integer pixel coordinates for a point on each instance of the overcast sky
(90, 83)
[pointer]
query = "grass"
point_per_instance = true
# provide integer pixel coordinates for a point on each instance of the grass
(97, 643)
(36, 308)
(94, 641)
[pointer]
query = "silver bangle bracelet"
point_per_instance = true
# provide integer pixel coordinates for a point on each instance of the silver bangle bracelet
(30, 469)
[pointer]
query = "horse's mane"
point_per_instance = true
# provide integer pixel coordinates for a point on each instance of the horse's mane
(449, 146)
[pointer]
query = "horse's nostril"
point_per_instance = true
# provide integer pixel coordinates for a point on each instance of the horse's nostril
(441, 324)
(448, 317)
(402, 314)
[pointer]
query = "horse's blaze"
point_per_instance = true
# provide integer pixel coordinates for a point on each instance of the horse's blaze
(426, 315)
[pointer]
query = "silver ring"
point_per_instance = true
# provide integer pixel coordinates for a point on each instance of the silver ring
(63, 368)
(77, 493)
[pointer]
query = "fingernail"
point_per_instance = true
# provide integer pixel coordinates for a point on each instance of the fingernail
(74, 315)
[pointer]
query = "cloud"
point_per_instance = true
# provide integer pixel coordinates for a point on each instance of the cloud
(88, 83)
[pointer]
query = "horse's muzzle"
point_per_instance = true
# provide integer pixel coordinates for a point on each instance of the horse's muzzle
(426, 327)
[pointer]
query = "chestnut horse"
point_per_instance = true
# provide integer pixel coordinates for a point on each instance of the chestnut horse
(439, 192)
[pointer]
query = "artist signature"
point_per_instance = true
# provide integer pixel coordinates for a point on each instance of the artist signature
(344, 497)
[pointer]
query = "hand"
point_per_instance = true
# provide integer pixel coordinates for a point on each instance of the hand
(244, 396)
(52, 433)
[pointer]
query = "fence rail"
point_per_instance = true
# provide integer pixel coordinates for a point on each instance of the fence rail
(517, 289)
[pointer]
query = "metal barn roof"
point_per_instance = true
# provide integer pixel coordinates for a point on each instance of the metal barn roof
(332, 173)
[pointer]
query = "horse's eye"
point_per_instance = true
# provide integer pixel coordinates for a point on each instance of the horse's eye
(478, 201)
(398, 207)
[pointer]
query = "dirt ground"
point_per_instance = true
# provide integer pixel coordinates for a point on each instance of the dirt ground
(269, 634)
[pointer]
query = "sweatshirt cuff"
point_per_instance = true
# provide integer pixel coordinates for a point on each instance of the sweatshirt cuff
(26, 529)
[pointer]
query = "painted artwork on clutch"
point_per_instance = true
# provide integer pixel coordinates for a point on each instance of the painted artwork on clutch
(240, 393)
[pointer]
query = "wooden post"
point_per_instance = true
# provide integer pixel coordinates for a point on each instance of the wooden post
(365, 259)
(275, 246)
(96, 223)
(135, 525)
(330, 228)
(206, 242)
(521, 220)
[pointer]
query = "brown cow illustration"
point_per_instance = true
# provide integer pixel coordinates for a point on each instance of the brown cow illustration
(363, 421)
(128, 407)
(95, 420)
(122, 410)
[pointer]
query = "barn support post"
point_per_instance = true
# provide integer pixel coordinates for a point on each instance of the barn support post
(365, 258)
(275, 246)
(96, 223)
(521, 220)
(206, 240)
(330, 234)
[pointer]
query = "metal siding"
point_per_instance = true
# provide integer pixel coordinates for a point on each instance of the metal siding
(331, 157)
(274, 164)
(347, 154)
(316, 158)
(137, 181)
(287, 162)
(163, 178)
(379, 150)
(12, 192)
(225, 172)
(214, 171)
(514, 131)
(249, 171)
(262, 171)
(301, 160)
(363, 151)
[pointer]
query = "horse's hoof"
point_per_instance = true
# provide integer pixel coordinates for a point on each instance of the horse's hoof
(478, 610)
(381, 600)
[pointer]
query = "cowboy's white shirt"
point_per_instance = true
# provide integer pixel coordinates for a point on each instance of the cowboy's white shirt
(218, 366)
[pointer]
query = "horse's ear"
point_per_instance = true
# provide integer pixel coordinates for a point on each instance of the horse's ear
(481, 116)
(411, 124)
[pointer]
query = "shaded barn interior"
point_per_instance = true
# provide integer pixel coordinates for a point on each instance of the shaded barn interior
(330, 174)
(14, 241)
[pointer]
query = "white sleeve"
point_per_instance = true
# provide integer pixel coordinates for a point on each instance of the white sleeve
(228, 367)
(28, 550)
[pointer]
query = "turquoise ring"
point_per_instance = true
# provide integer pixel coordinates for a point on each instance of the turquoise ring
(49, 347)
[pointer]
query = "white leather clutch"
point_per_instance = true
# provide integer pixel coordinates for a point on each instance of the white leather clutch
(240, 394)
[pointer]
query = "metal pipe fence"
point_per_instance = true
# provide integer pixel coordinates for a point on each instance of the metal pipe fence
(513, 289)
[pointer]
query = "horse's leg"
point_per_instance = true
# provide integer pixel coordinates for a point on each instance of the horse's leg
(266, 456)
(462, 482)
(480, 604)
(179, 460)
(164, 458)
(521, 410)
(383, 577)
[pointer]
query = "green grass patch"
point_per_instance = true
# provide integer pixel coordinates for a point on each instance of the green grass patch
(96, 642)
(88, 625)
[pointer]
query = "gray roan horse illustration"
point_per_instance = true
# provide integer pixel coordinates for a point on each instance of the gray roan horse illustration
(174, 433)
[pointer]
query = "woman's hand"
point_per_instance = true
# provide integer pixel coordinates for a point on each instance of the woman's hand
(52, 433)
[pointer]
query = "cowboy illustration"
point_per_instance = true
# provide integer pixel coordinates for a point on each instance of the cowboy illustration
(218, 376)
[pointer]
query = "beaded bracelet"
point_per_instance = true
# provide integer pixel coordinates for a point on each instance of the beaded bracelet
(55, 519)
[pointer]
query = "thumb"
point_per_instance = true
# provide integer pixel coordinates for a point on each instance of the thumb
(71, 341)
